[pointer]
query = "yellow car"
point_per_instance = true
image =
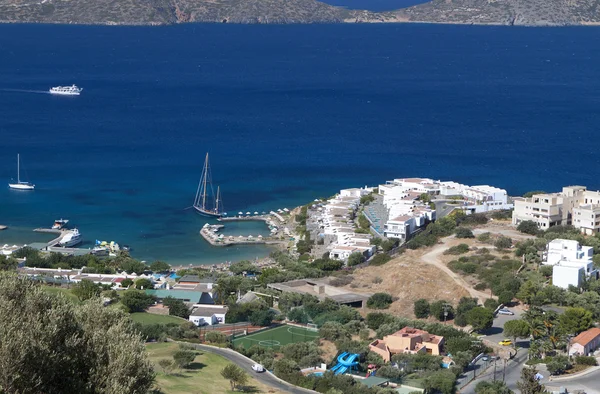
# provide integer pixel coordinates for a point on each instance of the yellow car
(506, 342)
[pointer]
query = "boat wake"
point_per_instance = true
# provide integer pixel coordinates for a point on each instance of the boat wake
(25, 91)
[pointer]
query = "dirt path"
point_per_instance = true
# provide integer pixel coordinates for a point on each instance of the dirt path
(433, 257)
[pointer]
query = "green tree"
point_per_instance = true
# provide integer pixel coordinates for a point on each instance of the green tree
(379, 259)
(421, 308)
(136, 301)
(533, 192)
(262, 317)
(298, 315)
(440, 382)
(355, 259)
(166, 365)
(184, 357)
(49, 344)
(528, 227)
(441, 310)
(503, 242)
(559, 365)
(480, 318)
(143, 284)
(333, 331)
(85, 290)
(492, 387)
(380, 301)
(177, 307)
(529, 384)
(160, 266)
(215, 337)
(528, 291)
(8, 263)
(464, 232)
(236, 375)
(126, 282)
(575, 320)
(516, 329)
(130, 265)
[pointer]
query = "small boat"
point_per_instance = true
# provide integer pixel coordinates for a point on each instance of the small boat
(100, 251)
(72, 238)
(59, 224)
(72, 90)
(201, 203)
(20, 185)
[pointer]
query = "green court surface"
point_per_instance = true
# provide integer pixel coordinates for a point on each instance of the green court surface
(277, 337)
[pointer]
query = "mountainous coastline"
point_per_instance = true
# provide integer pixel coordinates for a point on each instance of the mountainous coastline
(161, 12)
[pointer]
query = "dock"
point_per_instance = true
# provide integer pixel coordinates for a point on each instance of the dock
(56, 240)
(211, 235)
(52, 245)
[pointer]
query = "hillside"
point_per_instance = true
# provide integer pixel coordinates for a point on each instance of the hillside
(505, 12)
(159, 12)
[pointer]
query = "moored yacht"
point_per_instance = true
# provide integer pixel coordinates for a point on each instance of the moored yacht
(59, 224)
(20, 185)
(72, 238)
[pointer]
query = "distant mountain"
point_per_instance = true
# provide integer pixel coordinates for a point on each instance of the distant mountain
(158, 12)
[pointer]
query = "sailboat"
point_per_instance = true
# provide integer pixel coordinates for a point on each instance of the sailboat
(20, 185)
(205, 195)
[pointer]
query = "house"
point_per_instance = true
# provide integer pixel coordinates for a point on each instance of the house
(208, 314)
(407, 340)
(322, 290)
(585, 343)
(189, 296)
(575, 205)
(571, 263)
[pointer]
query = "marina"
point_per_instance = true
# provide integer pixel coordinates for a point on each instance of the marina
(279, 234)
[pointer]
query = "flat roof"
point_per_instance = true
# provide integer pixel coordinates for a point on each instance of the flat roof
(373, 381)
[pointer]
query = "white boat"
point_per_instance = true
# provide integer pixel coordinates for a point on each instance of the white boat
(204, 192)
(20, 185)
(72, 238)
(72, 90)
(59, 224)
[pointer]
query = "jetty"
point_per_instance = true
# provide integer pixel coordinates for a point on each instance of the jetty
(55, 241)
(210, 233)
(52, 246)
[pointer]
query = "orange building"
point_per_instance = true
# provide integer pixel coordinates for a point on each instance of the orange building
(408, 340)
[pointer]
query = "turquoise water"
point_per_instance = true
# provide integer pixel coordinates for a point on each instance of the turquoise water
(288, 114)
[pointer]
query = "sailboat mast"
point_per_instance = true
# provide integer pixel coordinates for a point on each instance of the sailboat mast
(18, 168)
(217, 201)
(204, 182)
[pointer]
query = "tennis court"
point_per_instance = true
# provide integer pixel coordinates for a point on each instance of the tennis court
(277, 337)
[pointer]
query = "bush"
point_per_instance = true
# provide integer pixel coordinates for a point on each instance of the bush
(503, 242)
(463, 232)
(355, 258)
(380, 301)
(215, 337)
(559, 365)
(389, 372)
(380, 259)
(421, 308)
(491, 304)
(586, 360)
(341, 281)
(333, 331)
(458, 249)
(438, 308)
(485, 237)
(183, 358)
(528, 227)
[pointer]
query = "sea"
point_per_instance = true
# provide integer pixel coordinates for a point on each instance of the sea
(288, 113)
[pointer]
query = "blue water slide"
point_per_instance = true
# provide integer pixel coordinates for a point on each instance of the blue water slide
(345, 361)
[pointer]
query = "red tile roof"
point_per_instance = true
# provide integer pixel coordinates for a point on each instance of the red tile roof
(587, 336)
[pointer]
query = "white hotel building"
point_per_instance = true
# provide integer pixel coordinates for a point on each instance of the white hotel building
(575, 205)
(571, 262)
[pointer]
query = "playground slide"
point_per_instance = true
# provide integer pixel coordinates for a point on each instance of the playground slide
(345, 362)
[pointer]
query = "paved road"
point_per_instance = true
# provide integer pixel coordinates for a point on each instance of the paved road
(507, 370)
(589, 383)
(495, 334)
(265, 377)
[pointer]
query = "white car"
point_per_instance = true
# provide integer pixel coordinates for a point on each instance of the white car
(505, 312)
(258, 368)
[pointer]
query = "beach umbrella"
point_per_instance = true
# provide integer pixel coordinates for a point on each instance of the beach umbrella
(260, 236)
(250, 236)
(286, 210)
(240, 213)
(264, 213)
(247, 213)
(256, 213)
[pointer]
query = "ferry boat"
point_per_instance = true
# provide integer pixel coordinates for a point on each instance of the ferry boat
(72, 90)
(205, 193)
(20, 185)
(72, 238)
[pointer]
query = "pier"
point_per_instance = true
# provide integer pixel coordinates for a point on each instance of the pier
(56, 240)
(210, 233)
(52, 245)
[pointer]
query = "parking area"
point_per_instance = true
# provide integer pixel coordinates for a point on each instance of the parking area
(495, 334)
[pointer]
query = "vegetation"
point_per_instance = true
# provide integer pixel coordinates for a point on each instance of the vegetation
(528, 227)
(480, 318)
(380, 301)
(99, 349)
(464, 232)
(380, 259)
(492, 387)
(236, 375)
(86, 289)
(177, 307)
(355, 259)
(136, 301)
(421, 308)
(458, 249)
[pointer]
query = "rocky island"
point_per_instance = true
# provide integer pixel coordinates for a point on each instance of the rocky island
(162, 12)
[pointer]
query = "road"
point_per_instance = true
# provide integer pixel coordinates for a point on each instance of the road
(266, 378)
(589, 383)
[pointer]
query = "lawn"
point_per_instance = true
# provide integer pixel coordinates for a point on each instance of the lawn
(150, 318)
(60, 290)
(277, 337)
(203, 376)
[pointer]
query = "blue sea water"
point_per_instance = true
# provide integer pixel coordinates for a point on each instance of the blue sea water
(288, 113)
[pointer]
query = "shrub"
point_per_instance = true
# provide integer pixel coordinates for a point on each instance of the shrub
(586, 360)
(183, 358)
(491, 304)
(364, 334)
(332, 331)
(438, 308)
(528, 227)
(458, 249)
(355, 258)
(503, 242)
(341, 280)
(559, 365)
(421, 308)
(215, 337)
(380, 259)
(485, 237)
(380, 301)
(377, 280)
(463, 232)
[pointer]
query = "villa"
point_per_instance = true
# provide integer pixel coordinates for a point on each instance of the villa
(571, 263)
(407, 340)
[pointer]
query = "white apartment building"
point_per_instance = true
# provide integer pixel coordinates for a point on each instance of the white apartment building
(571, 262)
(575, 205)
